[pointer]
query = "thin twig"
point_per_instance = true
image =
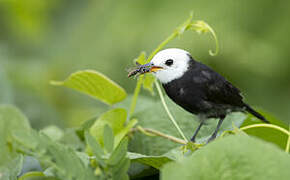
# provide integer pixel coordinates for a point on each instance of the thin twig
(168, 112)
(152, 132)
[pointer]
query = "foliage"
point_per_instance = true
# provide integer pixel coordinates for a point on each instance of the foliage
(105, 146)
(95, 84)
(235, 157)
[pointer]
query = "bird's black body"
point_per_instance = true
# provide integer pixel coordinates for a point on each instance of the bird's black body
(204, 92)
(196, 87)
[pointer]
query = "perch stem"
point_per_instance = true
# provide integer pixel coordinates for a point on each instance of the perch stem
(168, 112)
(153, 132)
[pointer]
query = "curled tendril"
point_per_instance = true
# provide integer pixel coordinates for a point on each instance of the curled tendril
(202, 27)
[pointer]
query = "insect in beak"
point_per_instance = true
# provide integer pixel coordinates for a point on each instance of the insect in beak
(145, 68)
(150, 67)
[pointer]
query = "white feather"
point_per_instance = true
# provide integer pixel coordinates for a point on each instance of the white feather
(176, 70)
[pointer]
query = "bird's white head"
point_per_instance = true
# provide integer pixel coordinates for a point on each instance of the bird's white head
(170, 64)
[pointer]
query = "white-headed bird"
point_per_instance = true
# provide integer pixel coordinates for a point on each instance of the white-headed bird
(196, 87)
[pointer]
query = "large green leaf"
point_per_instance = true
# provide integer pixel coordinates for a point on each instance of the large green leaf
(266, 133)
(96, 85)
(234, 157)
(151, 114)
(154, 161)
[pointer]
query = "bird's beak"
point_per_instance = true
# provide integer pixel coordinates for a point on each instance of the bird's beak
(155, 68)
(152, 68)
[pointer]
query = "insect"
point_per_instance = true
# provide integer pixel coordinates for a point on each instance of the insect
(139, 69)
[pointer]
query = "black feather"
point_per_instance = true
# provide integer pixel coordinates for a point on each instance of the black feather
(203, 91)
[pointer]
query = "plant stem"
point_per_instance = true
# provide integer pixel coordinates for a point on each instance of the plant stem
(153, 132)
(161, 45)
(273, 127)
(216, 42)
(266, 125)
(288, 142)
(168, 112)
(135, 96)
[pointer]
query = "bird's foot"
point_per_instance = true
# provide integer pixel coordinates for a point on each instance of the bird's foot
(191, 146)
(211, 139)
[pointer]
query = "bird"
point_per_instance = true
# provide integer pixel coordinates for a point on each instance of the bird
(197, 88)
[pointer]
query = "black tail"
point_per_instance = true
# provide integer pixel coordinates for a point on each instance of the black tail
(255, 113)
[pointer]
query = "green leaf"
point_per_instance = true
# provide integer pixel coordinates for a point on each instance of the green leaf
(151, 114)
(95, 84)
(108, 138)
(53, 132)
(35, 176)
(71, 139)
(141, 59)
(11, 169)
(267, 134)
(233, 157)
(64, 159)
(119, 153)
(148, 78)
(153, 161)
(95, 147)
(115, 118)
(120, 170)
(148, 83)
(121, 134)
(12, 120)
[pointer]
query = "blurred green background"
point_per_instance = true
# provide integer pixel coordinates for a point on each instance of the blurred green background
(43, 40)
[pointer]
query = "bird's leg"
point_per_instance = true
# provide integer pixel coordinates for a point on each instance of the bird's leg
(197, 129)
(213, 136)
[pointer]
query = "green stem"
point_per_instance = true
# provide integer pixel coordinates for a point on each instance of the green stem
(288, 142)
(273, 127)
(136, 94)
(152, 132)
(168, 112)
(216, 42)
(266, 125)
(161, 45)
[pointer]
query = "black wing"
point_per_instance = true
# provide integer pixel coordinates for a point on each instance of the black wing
(217, 89)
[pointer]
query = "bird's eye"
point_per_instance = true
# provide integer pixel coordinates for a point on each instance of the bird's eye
(169, 62)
